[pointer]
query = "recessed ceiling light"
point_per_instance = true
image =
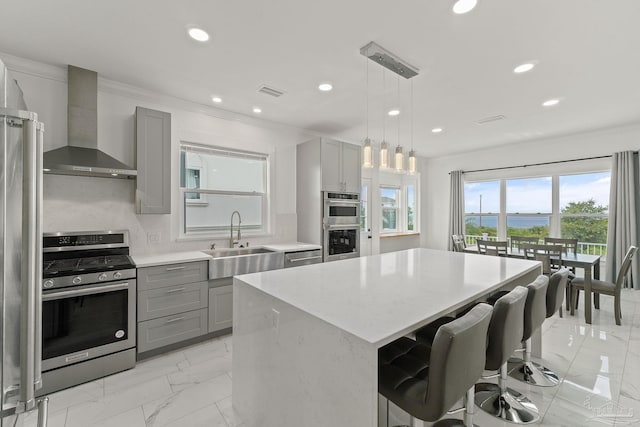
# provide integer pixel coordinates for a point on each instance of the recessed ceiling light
(114, 174)
(216, 99)
(550, 102)
(464, 6)
(257, 110)
(436, 130)
(325, 87)
(394, 112)
(198, 34)
(523, 68)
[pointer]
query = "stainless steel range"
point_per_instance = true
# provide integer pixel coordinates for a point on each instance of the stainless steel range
(88, 308)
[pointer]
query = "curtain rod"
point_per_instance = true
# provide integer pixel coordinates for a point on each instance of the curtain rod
(538, 164)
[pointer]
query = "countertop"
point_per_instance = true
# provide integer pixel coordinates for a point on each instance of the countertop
(378, 298)
(168, 258)
(292, 247)
(151, 260)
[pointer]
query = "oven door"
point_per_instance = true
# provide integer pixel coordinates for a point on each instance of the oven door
(85, 322)
(341, 242)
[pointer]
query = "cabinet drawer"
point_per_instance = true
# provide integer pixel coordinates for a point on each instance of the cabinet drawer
(171, 329)
(161, 276)
(161, 302)
(295, 259)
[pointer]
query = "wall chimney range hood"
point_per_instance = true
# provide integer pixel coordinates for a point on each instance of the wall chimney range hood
(81, 155)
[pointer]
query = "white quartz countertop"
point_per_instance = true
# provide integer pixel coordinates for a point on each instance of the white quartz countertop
(382, 297)
(292, 247)
(168, 258)
(151, 260)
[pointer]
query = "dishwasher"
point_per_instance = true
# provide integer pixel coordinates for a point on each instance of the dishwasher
(298, 258)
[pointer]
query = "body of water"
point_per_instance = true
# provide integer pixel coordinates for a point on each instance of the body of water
(512, 221)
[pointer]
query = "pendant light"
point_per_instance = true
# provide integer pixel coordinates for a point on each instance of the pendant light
(412, 154)
(399, 156)
(367, 150)
(384, 147)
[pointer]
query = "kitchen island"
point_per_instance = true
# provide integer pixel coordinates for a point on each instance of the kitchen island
(306, 340)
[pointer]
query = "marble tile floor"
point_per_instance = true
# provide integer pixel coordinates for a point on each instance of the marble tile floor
(191, 387)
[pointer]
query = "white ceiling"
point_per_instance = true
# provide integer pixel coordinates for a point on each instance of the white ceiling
(587, 54)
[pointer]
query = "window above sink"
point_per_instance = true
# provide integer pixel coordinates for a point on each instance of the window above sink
(214, 182)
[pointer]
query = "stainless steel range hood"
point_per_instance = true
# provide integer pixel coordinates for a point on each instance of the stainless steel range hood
(81, 155)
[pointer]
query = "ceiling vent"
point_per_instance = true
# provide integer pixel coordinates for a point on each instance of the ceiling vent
(490, 119)
(276, 93)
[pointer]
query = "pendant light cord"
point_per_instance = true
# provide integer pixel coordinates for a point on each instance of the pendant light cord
(367, 99)
(398, 107)
(411, 115)
(384, 117)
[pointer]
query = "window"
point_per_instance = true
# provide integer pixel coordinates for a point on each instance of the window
(481, 207)
(567, 206)
(215, 182)
(390, 198)
(529, 207)
(584, 210)
(411, 207)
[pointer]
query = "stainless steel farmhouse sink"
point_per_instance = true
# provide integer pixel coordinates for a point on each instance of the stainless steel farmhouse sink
(232, 262)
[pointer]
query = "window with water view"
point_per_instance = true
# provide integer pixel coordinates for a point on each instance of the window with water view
(580, 210)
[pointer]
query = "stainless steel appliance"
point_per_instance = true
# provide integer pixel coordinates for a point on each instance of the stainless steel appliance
(299, 258)
(341, 226)
(20, 251)
(89, 307)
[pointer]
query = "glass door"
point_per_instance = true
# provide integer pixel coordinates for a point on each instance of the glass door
(365, 217)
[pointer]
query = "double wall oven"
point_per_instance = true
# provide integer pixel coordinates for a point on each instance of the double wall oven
(341, 226)
(88, 308)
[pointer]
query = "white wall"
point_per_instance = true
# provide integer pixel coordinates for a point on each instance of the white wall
(435, 171)
(85, 203)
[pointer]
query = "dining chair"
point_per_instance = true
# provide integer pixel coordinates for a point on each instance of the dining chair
(491, 247)
(568, 245)
(549, 255)
(517, 241)
(459, 243)
(606, 288)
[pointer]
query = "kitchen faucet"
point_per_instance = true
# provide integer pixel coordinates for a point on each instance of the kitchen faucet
(232, 243)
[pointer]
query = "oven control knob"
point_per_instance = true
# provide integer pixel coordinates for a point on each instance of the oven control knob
(48, 283)
(103, 276)
(117, 275)
(77, 280)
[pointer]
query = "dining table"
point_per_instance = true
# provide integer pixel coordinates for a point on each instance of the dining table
(588, 262)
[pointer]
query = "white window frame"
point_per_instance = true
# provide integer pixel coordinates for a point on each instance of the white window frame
(401, 183)
(222, 231)
(398, 209)
(555, 216)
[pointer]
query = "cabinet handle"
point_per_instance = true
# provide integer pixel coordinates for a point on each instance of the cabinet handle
(177, 319)
(174, 268)
(305, 259)
(171, 291)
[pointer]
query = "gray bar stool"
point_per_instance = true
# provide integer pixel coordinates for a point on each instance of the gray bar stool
(427, 379)
(542, 302)
(505, 336)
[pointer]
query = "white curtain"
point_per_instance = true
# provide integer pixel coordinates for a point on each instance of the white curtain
(456, 206)
(623, 221)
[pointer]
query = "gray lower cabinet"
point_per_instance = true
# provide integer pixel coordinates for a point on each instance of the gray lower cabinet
(173, 302)
(220, 307)
(171, 329)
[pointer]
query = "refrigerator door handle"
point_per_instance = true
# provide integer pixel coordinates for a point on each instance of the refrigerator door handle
(38, 266)
(30, 322)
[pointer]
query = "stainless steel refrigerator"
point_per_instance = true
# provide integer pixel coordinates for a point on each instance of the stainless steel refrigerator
(20, 256)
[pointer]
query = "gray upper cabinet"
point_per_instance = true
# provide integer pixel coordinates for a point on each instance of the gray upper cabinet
(340, 166)
(153, 142)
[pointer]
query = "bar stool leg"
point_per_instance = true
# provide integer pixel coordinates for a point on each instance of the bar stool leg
(505, 403)
(530, 372)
